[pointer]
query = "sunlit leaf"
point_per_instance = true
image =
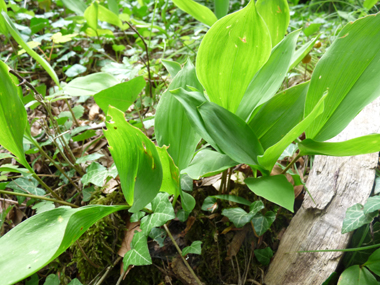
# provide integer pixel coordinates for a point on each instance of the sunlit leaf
(198, 11)
(136, 159)
(222, 63)
(139, 253)
(221, 8)
(238, 216)
(355, 218)
(108, 16)
(91, 15)
(170, 180)
(40, 239)
(76, 6)
(172, 67)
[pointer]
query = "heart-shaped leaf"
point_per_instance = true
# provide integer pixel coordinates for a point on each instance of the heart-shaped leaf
(355, 218)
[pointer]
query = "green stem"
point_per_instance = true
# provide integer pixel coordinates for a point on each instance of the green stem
(39, 197)
(291, 163)
(46, 186)
(180, 253)
(72, 113)
(342, 250)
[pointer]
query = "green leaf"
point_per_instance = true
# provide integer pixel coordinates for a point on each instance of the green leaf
(271, 154)
(357, 146)
(75, 281)
(232, 198)
(369, 3)
(75, 70)
(108, 16)
(90, 84)
(355, 218)
(198, 11)
(13, 117)
(234, 137)
(372, 204)
(91, 15)
(289, 151)
(158, 235)
(187, 201)
(137, 216)
(95, 174)
(311, 29)
(373, 262)
(279, 115)
(269, 78)
(162, 212)
(208, 163)
(17, 37)
(264, 255)
(276, 189)
(170, 179)
(222, 65)
(302, 52)
(357, 275)
(262, 223)
(349, 71)
(48, 235)
(190, 102)
(76, 6)
(256, 206)
(194, 248)
(136, 159)
(276, 15)
(139, 253)
(172, 67)
(3, 27)
(90, 157)
(172, 127)
(121, 95)
(84, 136)
(221, 8)
(26, 185)
(238, 216)
(52, 279)
(209, 204)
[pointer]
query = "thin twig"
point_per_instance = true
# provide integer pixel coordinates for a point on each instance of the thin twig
(108, 271)
(180, 253)
(71, 111)
(85, 256)
(39, 197)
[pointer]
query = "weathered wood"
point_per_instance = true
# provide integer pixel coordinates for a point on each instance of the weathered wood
(336, 183)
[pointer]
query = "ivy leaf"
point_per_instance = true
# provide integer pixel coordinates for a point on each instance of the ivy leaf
(262, 223)
(139, 253)
(238, 216)
(195, 248)
(44, 206)
(158, 235)
(137, 216)
(372, 204)
(355, 218)
(96, 174)
(26, 185)
(256, 206)
(209, 204)
(264, 255)
(162, 212)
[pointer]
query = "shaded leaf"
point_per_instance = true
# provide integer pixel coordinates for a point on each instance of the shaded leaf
(232, 198)
(158, 235)
(172, 67)
(194, 248)
(209, 204)
(357, 275)
(95, 174)
(170, 179)
(262, 223)
(238, 216)
(355, 218)
(139, 253)
(373, 262)
(264, 255)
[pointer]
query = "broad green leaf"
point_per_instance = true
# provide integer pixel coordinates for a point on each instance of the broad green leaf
(139, 253)
(208, 163)
(172, 127)
(95, 174)
(52, 279)
(90, 84)
(162, 212)
(221, 8)
(230, 54)
(276, 189)
(135, 217)
(276, 15)
(256, 206)
(84, 136)
(75, 70)
(348, 70)
(170, 179)
(357, 275)
(76, 6)
(91, 15)
(136, 159)
(355, 218)
(75, 281)
(357, 146)
(262, 223)
(194, 248)
(13, 117)
(158, 235)
(289, 151)
(40, 239)
(209, 204)
(190, 102)
(121, 95)
(234, 137)
(113, 6)
(187, 201)
(238, 216)
(26, 185)
(43, 206)
(369, 3)
(198, 11)
(17, 37)
(3, 27)
(232, 198)
(269, 78)
(279, 115)
(376, 189)
(90, 157)
(311, 29)
(264, 255)
(373, 262)
(172, 67)
(300, 53)
(271, 154)
(108, 16)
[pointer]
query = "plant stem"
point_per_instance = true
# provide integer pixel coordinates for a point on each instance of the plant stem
(180, 253)
(108, 271)
(85, 255)
(72, 113)
(39, 197)
(342, 250)
(46, 186)
(291, 163)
